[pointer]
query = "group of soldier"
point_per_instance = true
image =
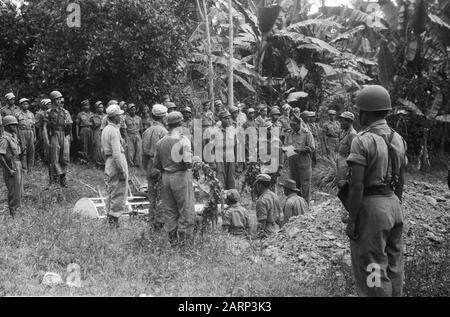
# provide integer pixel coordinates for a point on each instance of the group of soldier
(370, 166)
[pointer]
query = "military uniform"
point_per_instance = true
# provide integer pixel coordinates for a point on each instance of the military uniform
(380, 221)
(58, 121)
(261, 122)
(116, 170)
(236, 220)
(345, 142)
(134, 141)
(96, 122)
(9, 111)
(225, 169)
(41, 148)
(294, 206)
(177, 191)
(27, 137)
(300, 164)
(146, 122)
(11, 149)
(331, 134)
(149, 140)
(84, 123)
(268, 211)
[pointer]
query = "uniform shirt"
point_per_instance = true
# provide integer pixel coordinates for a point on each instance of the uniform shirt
(285, 122)
(208, 118)
(260, 122)
(26, 119)
(151, 136)
(7, 111)
(146, 122)
(369, 150)
(84, 119)
(96, 120)
(58, 117)
(241, 119)
(167, 161)
(331, 129)
(345, 141)
(188, 127)
(249, 123)
(112, 145)
(220, 137)
(105, 122)
(268, 207)
(39, 118)
(236, 218)
(294, 206)
(299, 140)
(134, 124)
(10, 147)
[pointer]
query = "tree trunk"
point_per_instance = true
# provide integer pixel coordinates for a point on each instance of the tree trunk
(424, 160)
(230, 59)
(204, 14)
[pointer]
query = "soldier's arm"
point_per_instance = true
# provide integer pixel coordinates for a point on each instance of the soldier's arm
(356, 190)
(77, 126)
(3, 147)
(261, 213)
(157, 159)
(116, 152)
(44, 133)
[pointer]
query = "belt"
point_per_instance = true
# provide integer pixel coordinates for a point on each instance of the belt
(58, 128)
(25, 128)
(377, 190)
(85, 126)
(133, 133)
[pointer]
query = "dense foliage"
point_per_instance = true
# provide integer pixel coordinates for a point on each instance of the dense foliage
(122, 49)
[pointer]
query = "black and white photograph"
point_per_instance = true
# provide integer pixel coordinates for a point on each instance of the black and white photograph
(224, 154)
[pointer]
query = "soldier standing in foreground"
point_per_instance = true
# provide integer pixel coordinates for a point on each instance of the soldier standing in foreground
(58, 123)
(173, 158)
(377, 160)
(116, 169)
(10, 152)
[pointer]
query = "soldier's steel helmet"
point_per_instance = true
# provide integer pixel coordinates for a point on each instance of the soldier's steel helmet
(8, 120)
(373, 98)
(55, 94)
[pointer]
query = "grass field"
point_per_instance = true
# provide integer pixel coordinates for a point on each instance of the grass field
(47, 236)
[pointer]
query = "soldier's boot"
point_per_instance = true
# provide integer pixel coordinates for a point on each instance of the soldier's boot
(185, 240)
(63, 180)
(173, 238)
(113, 222)
(158, 226)
(12, 212)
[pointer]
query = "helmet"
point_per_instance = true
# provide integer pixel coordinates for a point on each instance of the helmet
(98, 103)
(347, 115)
(186, 109)
(373, 98)
(174, 117)
(331, 111)
(224, 114)
(8, 120)
(45, 102)
(114, 110)
(159, 110)
(10, 96)
(169, 105)
(112, 102)
(55, 94)
(23, 100)
(85, 103)
(274, 111)
(233, 109)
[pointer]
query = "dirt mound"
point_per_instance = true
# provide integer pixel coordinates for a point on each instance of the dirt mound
(310, 243)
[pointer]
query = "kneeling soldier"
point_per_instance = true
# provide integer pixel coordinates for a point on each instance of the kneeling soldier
(235, 218)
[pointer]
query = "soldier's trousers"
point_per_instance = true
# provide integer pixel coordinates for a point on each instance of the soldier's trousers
(41, 148)
(301, 174)
(156, 214)
(134, 149)
(14, 184)
(226, 173)
(86, 139)
(99, 158)
(26, 138)
(177, 195)
(116, 188)
(59, 153)
(377, 256)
